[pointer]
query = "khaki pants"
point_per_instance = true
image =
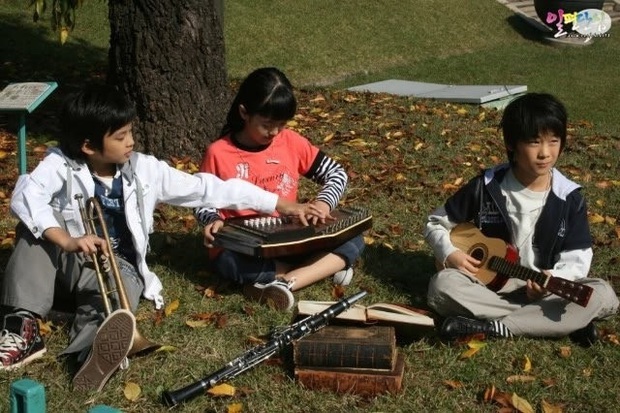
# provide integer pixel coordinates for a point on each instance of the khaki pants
(452, 293)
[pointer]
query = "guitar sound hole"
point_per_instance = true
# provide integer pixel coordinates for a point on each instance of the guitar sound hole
(478, 253)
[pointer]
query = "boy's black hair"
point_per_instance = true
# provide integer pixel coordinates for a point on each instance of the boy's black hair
(530, 115)
(265, 92)
(90, 114)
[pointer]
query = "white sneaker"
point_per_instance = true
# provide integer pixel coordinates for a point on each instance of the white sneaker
(343, 277)
(276, 294)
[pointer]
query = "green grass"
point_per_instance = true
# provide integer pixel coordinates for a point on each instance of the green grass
(411, 152)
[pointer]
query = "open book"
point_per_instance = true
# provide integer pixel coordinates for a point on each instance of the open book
(398, 315)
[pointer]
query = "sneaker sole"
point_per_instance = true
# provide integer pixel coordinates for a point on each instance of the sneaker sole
(25, 361)
(273, 297)
(110, 347)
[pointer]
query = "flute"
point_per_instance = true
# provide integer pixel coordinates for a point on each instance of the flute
(277, 341)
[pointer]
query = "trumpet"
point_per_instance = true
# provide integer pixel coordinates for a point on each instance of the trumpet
(106, 269)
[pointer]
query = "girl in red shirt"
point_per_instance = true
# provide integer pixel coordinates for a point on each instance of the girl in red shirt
(256, 146)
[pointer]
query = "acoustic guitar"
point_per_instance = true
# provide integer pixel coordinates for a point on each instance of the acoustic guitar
(499, 262)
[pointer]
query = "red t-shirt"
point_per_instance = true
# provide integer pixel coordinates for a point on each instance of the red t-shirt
(276, 168)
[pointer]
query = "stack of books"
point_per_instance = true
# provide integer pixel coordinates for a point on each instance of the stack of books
(350, 359)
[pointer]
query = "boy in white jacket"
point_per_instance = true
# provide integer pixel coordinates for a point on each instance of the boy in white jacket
(95, 158)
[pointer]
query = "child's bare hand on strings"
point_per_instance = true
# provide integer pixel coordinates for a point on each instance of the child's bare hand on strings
(210, 230)
(463, 262)
(301, 211)
(324, 208)
(534, 291)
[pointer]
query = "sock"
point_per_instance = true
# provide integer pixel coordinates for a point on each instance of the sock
(500, 330)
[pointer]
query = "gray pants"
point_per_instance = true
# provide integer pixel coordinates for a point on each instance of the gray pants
(38, 272)
(452, 293)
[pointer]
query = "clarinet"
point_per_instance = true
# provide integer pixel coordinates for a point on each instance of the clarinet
(277, 341)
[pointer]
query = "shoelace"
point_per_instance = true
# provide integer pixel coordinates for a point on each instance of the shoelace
(10, 342)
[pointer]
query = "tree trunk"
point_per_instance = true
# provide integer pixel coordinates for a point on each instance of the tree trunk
(168, 57)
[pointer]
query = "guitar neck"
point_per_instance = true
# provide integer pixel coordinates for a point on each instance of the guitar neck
(570, 290)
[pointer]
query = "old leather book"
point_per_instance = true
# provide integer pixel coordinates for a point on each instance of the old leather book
(371, 347)
(364, 382)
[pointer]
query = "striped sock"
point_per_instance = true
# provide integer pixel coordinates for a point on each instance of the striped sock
(500, 330)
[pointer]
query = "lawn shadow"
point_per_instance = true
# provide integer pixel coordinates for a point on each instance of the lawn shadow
(526, 29)
(408, 272)
(29, 54)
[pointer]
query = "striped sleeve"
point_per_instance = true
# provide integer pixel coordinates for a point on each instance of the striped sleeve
(329, 173)
(206, 215)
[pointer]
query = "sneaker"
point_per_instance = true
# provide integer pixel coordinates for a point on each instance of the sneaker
(457, 327)
(276, 294)
(586, 336)
(343, 277)
(110, 347)
(20, 340)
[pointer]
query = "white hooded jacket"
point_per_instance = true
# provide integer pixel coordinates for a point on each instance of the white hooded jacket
(51, 187)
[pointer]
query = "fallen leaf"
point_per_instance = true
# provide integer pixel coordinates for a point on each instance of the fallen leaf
(166, 349)
(596, 219)
(45, 328)
(550, 408)
(198, 323)
(527, 364)
(171, 308)
(234, 408)
(453, 384)
(223, 389)
(522, 378)
(468, 353)
(521, 404)
(132, 391)
(564, 351)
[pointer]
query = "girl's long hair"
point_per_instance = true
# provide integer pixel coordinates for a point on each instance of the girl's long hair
(265, 92)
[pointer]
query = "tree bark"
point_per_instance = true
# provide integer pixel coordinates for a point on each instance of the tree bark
(168, 57)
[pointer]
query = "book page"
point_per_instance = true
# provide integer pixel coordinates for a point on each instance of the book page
(357, 312)
(392, 312)
(22, 95)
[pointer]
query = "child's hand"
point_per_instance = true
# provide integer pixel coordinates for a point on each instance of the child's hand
(210, 230)
(324, 208)
(463, 262)
(534, 291)
(301, 211)
(88, 244)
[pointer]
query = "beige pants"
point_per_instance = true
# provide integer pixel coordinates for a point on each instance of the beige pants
(452, 293)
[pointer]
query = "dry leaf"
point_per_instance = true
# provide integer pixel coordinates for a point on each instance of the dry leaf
(596, 219)
(171, 308)
(223, 389)
(166, 349)
(132, 391)
(564, 351)
(521, 404)
(45, 328)
(520, 378)
(234, 408)
(328, 138)
(198, 323)
(475, 343)
(468, 353)
(527, 364)
(550, 408)
(453, 384)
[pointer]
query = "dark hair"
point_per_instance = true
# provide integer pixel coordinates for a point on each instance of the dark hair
(265, 92)
(530, 115)
(90, 114)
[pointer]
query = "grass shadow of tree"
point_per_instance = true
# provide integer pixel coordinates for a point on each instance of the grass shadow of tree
(31, 54)
(407, 272)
